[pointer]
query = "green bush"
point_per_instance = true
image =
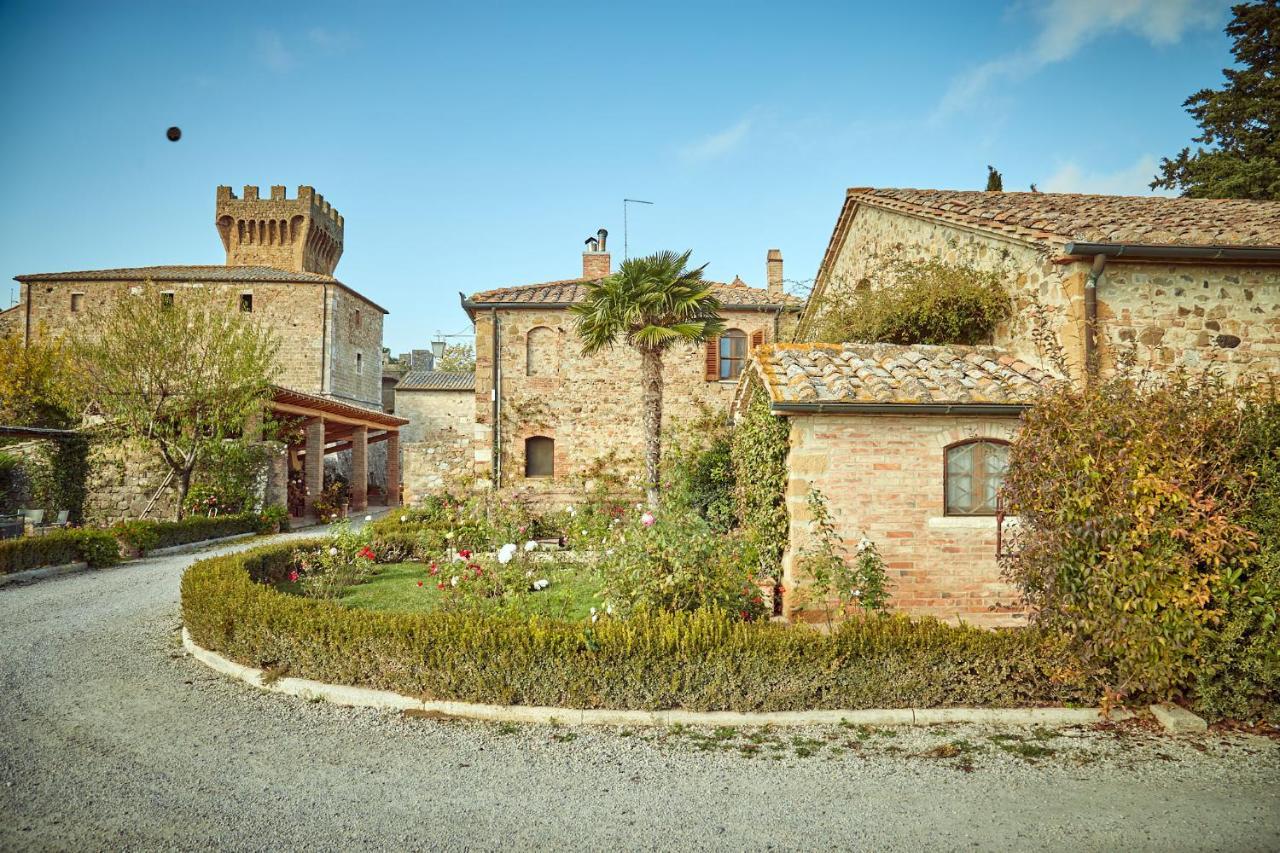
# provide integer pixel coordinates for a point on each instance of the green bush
(699, 660)
(676, 562)
(1148, 535)
(59, 547)
(915, 302)
(699, 470)
(758, 450)
(137, 534)
(197, 528)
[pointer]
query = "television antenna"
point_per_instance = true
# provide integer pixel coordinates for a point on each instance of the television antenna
(625, 202)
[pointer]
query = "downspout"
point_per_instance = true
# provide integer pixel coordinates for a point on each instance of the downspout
(496, 378)
(1091, 317)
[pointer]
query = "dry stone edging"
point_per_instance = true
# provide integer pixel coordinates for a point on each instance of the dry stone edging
(31, 575)
(1178, 720)
(364, 697)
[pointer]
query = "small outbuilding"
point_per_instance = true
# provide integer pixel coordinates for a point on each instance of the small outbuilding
(909, 445)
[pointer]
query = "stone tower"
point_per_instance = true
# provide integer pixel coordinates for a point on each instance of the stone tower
(302, 234)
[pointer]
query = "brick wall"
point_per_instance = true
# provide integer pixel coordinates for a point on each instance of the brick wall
(1169, 311)
(590, 405)
(882, 476)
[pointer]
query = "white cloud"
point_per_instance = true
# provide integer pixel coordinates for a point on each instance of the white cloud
(1066, 26)
(718, 144)
(1070, 177)
(273, 52)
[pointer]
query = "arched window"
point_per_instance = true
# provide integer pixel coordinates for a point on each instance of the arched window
(973, 476)
(539, 456)
(733, 353)
(540, 352)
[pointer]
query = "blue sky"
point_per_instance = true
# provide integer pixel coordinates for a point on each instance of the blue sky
(472, 146)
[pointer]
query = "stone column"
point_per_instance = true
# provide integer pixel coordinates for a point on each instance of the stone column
(359, 469)
(313, 463)
(393, 469)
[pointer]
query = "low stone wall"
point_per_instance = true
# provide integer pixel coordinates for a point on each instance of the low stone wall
(442, 461)
(123, 479)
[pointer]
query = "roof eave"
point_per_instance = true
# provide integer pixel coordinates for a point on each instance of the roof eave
(838, 407)
(1157, 252)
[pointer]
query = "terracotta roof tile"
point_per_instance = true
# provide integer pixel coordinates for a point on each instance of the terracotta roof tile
(889, 373)
(1064, 217)
(436, 380)
(211, 272)
(570, 290)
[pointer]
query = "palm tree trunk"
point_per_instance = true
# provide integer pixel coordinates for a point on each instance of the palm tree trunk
(651, 412)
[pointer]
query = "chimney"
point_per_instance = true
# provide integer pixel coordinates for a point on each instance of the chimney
(595, 260)
(773, 262)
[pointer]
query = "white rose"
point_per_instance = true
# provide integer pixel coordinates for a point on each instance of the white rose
(529, 546)
(453, 581)
(506, 552)
(403, 519)
(333, 552)
(368, 518)
(541, 583)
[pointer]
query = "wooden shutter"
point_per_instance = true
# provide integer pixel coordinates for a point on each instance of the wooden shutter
(713, 359)
(757, 339)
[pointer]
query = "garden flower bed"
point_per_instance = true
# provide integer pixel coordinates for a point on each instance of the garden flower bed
(651, 659)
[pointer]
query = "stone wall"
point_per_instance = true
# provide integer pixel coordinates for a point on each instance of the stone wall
(589, 405)
(431, 411)
(441, 460)
(123, 479)
(355, 349)
(11, 321)
(882, 476)
(1175, 314)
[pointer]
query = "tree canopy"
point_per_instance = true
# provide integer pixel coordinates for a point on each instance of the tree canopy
(1238, 150)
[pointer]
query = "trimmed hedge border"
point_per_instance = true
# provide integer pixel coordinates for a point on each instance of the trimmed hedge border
(650, 662)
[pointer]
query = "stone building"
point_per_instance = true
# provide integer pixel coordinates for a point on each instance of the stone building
(908, 445)
(558, 413)
(441, 410)
(1180, 281)
(280, 256)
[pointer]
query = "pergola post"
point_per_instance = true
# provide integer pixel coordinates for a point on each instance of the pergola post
(393, 468)
(313, 463)
(359, 468)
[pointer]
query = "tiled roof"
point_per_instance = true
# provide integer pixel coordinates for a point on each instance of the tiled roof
(889, 373)
(436, 380)
(570, 290)
(1059, 218)
(210, 272)
(207, 273)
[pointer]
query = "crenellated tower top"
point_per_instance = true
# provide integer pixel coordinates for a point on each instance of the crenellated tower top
(302, 234)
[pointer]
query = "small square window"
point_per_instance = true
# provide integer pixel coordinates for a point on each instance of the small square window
(77, 302)
(246, 303)
(166, 299)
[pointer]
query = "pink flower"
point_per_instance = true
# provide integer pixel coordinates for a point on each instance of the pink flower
(440, 585)
(647, 519)
(434, 570)
(464, 554)
(293, 575)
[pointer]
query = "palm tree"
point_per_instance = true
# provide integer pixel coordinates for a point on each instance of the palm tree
(653, 303)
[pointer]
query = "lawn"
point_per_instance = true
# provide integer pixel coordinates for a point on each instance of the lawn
(573, 591)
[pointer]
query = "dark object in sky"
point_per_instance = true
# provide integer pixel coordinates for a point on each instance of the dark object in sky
(174, 134)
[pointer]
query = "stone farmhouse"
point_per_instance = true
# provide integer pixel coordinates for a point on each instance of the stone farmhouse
(280, 256)
(544, 416)
(1181, 281)
(909, 444)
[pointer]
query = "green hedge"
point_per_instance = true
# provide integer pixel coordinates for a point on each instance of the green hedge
(95, 547)
(698, 661)
(197, 528)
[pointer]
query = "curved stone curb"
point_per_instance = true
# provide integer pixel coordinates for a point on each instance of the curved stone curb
(364, 697)
(30, 575)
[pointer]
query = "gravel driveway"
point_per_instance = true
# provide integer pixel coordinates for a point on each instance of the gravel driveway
(111, 738)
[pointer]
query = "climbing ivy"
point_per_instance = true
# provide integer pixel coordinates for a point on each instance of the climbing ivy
(759, 452)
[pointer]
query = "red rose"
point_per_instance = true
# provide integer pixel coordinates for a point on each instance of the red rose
(440, 585)
(434, 570)
(464, 554)
(293, 576)
(744, 615)
(419, 583)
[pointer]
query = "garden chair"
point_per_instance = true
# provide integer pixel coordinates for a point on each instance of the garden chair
(63, 516)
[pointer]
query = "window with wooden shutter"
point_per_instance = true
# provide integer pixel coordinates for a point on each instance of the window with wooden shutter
(757, 339)
(713, 359)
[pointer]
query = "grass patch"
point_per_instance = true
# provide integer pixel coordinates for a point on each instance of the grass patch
(574, 590)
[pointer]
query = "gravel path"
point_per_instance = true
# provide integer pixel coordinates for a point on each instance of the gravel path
(111, 738)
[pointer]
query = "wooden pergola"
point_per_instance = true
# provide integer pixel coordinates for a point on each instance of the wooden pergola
(331, 426)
